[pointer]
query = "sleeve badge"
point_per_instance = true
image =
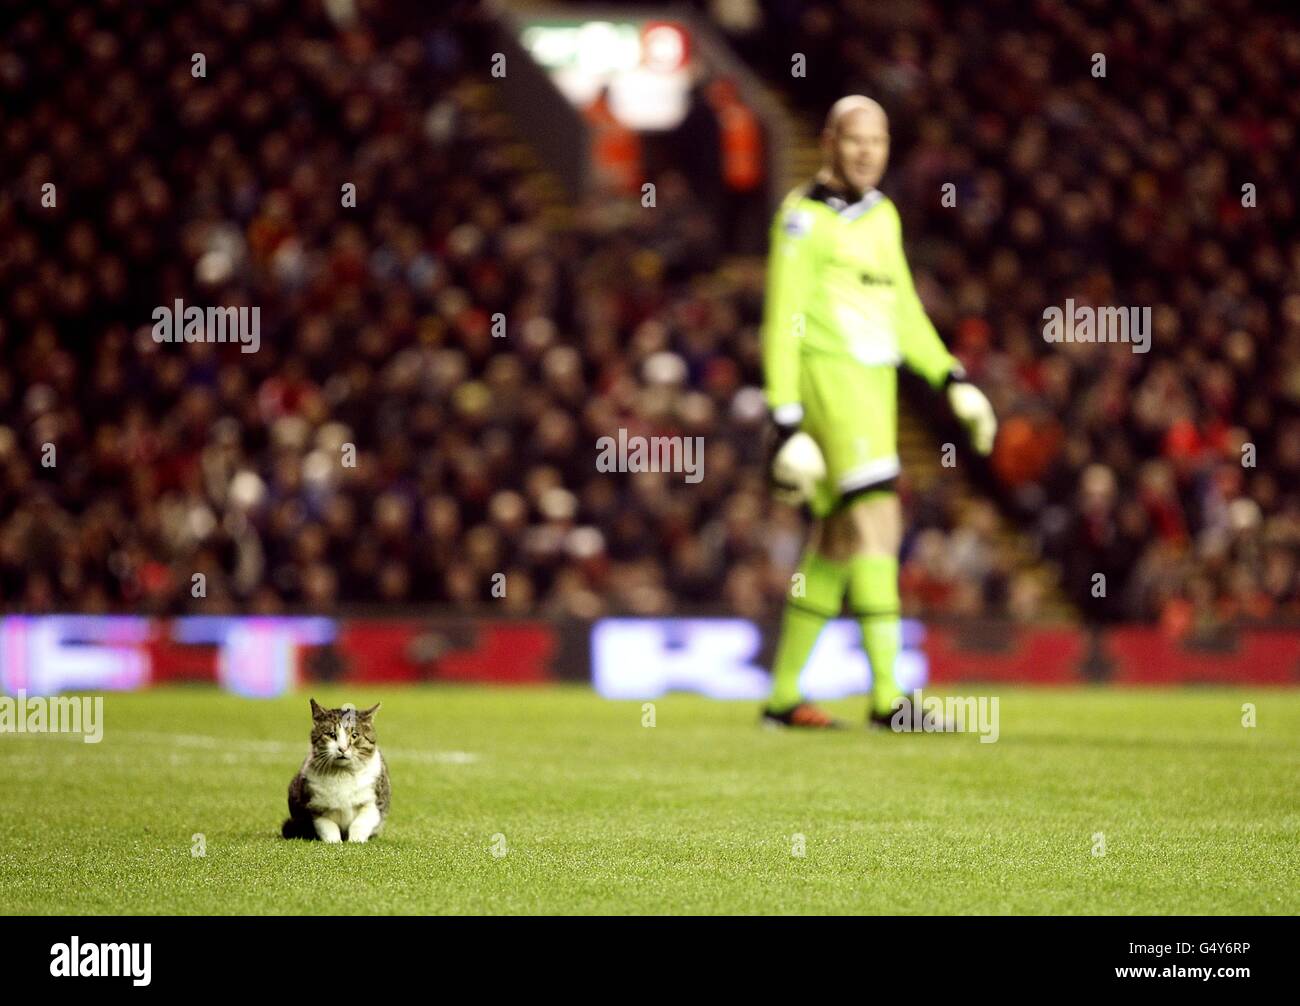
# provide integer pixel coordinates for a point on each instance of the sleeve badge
(798, 223)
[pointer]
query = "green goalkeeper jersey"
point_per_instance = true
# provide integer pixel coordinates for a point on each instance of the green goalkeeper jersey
(838, 286)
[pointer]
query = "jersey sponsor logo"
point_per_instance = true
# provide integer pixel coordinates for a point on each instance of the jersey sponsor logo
(876, 279)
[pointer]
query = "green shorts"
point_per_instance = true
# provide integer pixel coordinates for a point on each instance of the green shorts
(851, 410)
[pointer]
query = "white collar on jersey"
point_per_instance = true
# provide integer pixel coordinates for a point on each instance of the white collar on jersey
(851, 211)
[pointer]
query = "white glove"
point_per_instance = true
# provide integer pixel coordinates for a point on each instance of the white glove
(971, 407)
(797, 467)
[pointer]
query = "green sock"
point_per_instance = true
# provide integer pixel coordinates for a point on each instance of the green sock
(873, 598)
(815, 596)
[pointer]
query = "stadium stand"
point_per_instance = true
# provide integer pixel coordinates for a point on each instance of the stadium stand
(475, 454)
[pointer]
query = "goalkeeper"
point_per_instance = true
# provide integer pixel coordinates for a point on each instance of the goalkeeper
(841, 314)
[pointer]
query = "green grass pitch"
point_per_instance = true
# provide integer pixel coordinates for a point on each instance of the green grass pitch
(700, 813)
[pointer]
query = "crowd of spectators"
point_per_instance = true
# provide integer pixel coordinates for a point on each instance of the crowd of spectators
(438, 361)
(391, 441)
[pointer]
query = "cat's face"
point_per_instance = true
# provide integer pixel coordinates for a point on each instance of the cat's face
(342, 738)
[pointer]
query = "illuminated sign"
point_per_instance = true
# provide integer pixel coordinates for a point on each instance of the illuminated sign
(257, 657)
(644, 64)
(626, 658)
(638, 658)
(55, 653)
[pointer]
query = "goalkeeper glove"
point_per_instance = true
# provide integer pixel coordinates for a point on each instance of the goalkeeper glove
(974, 412)
(797, 464)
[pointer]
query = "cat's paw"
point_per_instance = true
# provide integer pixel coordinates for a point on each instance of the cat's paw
(358, 838)
(327, 830)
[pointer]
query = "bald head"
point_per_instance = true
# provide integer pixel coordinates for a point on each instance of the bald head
(853, 104)
(855, 143)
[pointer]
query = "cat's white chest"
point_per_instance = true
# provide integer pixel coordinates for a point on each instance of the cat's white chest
(341, 796)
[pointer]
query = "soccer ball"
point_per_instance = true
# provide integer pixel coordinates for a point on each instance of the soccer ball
(797, 468)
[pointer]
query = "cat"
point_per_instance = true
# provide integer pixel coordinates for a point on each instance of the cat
(341, 793)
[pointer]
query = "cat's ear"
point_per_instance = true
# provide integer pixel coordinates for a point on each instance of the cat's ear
(369, 714)
(316, 711)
